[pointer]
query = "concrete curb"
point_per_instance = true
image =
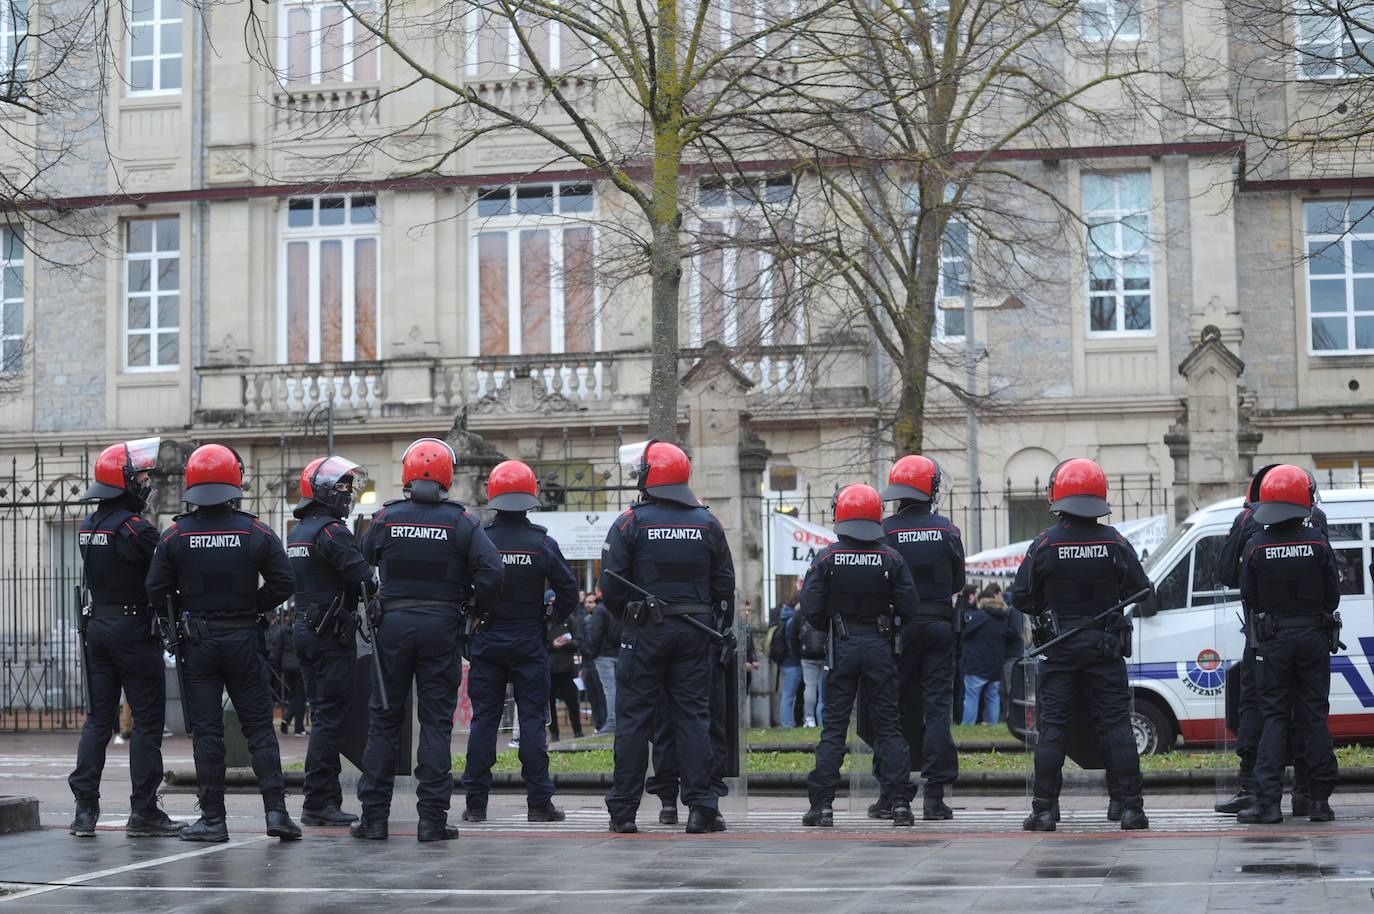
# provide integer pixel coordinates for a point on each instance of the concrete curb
(18, 814)
(1194, 780)
(808, 748)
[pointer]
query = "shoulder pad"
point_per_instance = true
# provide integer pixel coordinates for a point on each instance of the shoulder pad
(538, 529)
(457, 504)
(244, 513)
(395, 501)
(180, 516)
(637, 505)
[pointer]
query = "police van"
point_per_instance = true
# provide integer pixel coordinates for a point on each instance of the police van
(1188, 634)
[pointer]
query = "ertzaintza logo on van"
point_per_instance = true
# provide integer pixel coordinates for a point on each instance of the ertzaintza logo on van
(1206, 675)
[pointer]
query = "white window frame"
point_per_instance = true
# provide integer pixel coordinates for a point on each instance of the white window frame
(313, 235)
(13, 44)
(512, 224)
(1361, 468)
(154, 259)
(734, 217)
(1116, 214)
(348, 53)
(157, 57)
(1345, 241)
(966, 259)
(1115, 14)
(1336, 39)
(7, 263)
(473, 25)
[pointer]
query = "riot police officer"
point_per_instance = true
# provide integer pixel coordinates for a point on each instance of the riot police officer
(331, 576)
(860, 589)
(666, 781)
(1289, 581)
(934, 552)
(669, 545)
(119, 640)
(509, 647)
(434, 560)
(1075, 570)
(211, 559)
(1250, 716)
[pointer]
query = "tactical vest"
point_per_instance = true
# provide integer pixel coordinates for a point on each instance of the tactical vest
(317, 580)
(1083, 576)
(672, 551)
(920, 539)
(422, 551)
(217, 563)
(860, 582)
(1290, 580)
(522, 558)
(110, 578)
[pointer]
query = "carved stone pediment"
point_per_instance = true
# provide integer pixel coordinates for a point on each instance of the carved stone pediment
(523, 395)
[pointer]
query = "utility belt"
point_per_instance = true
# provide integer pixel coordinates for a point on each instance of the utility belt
(927, 613)
(1087, 623)
(197, 628)
(113, 610)
(398, 604)
(864, 625)
(510, 613)
(333, 620)
(1267, 625)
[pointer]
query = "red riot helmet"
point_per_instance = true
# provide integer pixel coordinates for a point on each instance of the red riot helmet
(663, 471)
(118, 468)
(214, 475)
(428, 459)
(511, 486)
(1285, 494)
(1078, 487)
(332, 482)
(1252, 495)
(913, 477)
(859, 512)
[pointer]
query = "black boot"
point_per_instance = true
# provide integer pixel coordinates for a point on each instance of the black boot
(819, 817)
(1260, 814)
(702, 819)
(1055, 810)
(1113, 809)
(279, 825)
(154, 823)
(881, 809)
(475, 814)
(83, 825)
(1041, 817)
(668, 814)
(1302, 804)
(1243, 799)
(934, 808)
(545, 812)
(435, 830)
(369, 828)
(902, 814)
(1321, 811)
(1133, 814)
(624, 827)
(209, 827)
(329, 815)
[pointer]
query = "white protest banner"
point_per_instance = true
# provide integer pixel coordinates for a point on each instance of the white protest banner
(795, 543)
(580, 534)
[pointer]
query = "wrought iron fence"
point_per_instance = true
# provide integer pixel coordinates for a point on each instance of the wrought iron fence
(41, 678)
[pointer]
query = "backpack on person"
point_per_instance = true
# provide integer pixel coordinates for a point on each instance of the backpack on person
(812, 641)
(777, 642)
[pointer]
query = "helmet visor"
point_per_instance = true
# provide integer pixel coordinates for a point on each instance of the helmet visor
(142, 453)
(632, 456)
(341, 475)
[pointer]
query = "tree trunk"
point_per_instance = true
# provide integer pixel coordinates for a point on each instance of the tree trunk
(908, 428)
(666, 272)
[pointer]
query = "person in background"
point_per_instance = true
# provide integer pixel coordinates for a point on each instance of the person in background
(281, 653)
(785, 651)
(602, 644)
(563, 648)
(988, 640)
(591, 679)
(967, 602)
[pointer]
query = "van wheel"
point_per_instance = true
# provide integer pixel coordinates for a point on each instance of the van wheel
(1154, 731)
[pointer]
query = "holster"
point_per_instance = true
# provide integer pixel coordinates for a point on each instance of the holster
(1120, 630)
(1333, 630)
(194, 629)
(884, 627)
(1044, 628)
(1264, 625)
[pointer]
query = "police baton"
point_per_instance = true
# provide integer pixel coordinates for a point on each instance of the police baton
(371, 636)
(1133, 598)
(175, 646)
(695, 623)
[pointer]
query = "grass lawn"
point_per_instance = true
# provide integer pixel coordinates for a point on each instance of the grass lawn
(997, 734)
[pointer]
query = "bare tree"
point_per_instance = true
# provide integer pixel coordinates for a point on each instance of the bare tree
(918, 139)
(635, 94)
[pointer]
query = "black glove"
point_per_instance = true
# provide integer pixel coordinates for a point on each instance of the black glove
(374, 611)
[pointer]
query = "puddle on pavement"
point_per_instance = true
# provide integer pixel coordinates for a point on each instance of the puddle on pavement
(1304, 870)
(1086, 871)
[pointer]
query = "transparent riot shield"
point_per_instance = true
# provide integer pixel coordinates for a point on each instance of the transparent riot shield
(730, 698)
(863, 783)
(1221, 676)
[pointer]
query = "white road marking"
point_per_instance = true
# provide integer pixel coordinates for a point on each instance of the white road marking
(73, 881)
(1058, 884)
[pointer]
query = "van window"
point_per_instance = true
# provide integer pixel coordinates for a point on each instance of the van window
(1350, 567)
(1173, 588)
(1207, 586)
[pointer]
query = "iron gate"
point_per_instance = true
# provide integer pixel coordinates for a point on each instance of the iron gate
(42, 684)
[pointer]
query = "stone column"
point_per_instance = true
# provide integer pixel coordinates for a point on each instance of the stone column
(475, 459)
(1213, 444)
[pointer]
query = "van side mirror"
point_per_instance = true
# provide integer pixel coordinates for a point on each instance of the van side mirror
(1148, 607)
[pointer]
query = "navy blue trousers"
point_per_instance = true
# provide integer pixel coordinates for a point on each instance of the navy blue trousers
(329, 665)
